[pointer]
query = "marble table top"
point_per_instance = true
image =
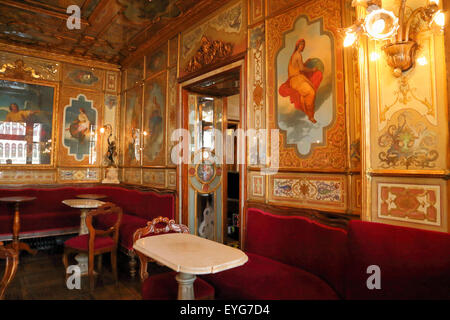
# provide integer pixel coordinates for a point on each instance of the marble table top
(83, 203)
(17, 199)
(191, 254)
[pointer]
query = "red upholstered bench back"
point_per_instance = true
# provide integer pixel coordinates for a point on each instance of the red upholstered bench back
(147, 205)
(301, 242)
(414, 264)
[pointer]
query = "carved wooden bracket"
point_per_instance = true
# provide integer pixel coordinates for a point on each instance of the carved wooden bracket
(17, 70)
(209, 52)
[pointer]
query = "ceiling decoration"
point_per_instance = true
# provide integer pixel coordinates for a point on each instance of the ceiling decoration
(110, 29)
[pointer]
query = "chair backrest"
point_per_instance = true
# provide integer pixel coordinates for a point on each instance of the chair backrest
(12, 262)
(107, 208)
(159, 225)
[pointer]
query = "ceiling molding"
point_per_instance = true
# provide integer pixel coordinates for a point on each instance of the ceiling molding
(56, 13)
(177, 25)
(57, 57)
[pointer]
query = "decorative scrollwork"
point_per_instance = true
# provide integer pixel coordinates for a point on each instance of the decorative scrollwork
(210, 52)
(17, 70)
(406, 147)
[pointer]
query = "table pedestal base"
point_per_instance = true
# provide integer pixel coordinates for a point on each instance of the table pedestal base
(185, 286)
(83, 263)
(20, 246)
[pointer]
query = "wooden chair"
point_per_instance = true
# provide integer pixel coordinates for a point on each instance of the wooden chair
(164, 286)
(12, 263)
(96, 242)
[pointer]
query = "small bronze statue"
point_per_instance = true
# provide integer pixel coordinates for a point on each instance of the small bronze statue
(111, 153)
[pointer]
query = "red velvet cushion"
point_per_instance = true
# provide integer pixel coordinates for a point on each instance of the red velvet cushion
(82, 242)
(415, 264)
(164, 286)
(299, 242)
(265, 279)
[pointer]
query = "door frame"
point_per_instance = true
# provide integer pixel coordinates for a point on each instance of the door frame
(182, 171)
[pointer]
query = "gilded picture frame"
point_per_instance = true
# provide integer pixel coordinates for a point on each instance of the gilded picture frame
(40, 111)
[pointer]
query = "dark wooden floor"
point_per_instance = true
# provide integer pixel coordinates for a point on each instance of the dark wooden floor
(41, 277)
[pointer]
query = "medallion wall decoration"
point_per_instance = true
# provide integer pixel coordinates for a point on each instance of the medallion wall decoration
(88, 78)
(306, 91)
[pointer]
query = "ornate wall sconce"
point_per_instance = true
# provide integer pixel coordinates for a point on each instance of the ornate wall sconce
(384, 25)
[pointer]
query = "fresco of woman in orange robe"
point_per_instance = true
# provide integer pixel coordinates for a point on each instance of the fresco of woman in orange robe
(303, 82)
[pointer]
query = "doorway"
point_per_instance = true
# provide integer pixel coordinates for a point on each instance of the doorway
(212, 184)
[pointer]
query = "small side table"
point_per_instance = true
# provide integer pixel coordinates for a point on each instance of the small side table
(84, 205)
(16, 244)
(190, 255)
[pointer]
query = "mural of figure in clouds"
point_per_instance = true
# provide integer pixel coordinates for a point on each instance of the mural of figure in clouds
(303, 81)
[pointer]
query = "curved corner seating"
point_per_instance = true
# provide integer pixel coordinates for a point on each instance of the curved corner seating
(47, 216)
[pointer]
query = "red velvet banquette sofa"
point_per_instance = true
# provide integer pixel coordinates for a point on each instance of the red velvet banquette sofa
(47, 215)
(302, 257)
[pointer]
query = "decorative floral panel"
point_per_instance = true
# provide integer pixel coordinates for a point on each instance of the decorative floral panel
(172, 179)
(256, 10)
(256, 186)
(154, 177)
(132, 175)
(413, 202)
(79, 175)
(257, 87)
(112, 81)
(27, 176)
(409, 120)
(306, 190)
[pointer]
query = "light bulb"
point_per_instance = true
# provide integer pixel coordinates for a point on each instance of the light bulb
(439, 19)
(374, 56)
(102, 130)
(436, 2)
(422, 61)
(378, 26)
(145, 133)
(350, 39)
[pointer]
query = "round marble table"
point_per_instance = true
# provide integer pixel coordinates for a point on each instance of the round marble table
(84, 205)
(16, 244)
